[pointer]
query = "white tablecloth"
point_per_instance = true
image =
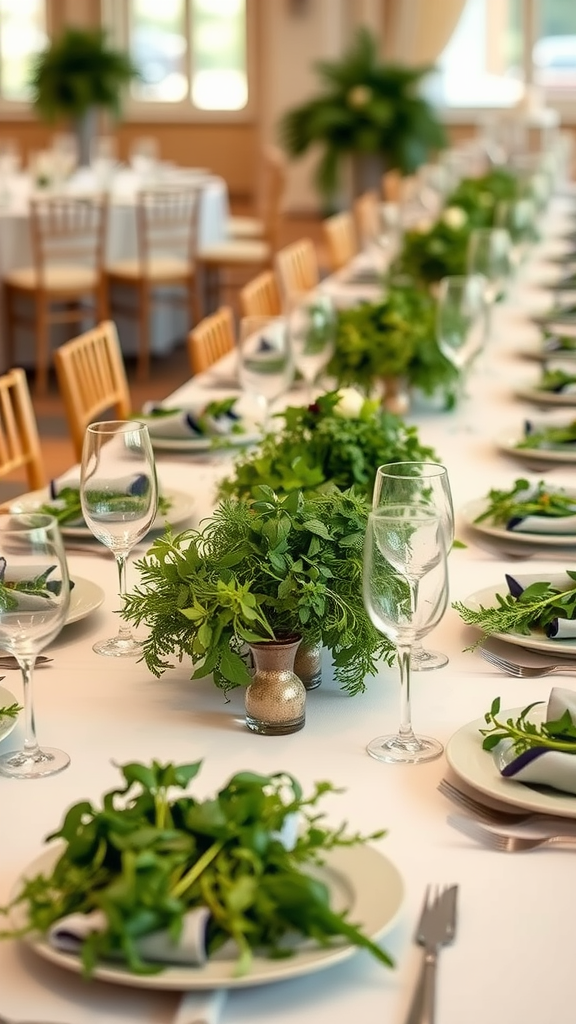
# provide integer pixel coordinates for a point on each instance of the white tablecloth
(168, 322)
(514, 951)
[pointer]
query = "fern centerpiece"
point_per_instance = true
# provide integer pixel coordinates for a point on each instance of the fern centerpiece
(268, 569)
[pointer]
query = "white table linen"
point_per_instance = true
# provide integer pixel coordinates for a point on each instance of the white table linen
(514, 950)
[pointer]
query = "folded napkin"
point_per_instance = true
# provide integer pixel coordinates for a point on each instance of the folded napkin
(68, 934)
(198, 420)
(538, 766)
(133, 483)
(542, 523)
(557, 629)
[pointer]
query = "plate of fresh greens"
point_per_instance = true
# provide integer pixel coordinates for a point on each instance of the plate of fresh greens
(489, 516)
(497, 614)
(9, 711)
(174, 507)
(279, 891)
(477, 767)
(553, 443)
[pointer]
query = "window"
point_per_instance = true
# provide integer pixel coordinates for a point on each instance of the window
(192, 54)
(22, 35)
(500, 46)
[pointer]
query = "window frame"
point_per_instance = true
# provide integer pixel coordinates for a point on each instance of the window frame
(21, 110)
(115, 19)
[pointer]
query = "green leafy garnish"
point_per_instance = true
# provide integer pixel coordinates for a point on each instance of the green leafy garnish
(527, 499)
(538, 605)
(525, 735)
(10, 711)
(145, 859)
(37, 586)
(555, 380)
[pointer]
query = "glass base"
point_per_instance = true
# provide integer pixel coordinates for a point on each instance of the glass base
(275, 728)
(422, 660)
(115, 647)
(396, 750)
(22, 764)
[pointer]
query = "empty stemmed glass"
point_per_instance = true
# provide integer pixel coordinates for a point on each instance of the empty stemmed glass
(34, 602)
(312, 322)
(461, 321)
(405, 591)
(119, 496)
(265, 364)
(427, 483)
(489, 254)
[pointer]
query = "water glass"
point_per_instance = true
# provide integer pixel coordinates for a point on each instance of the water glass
(461, 320)
(119, 496)
(312, 323)
(489, 254)
(265, 363)
(34, 602)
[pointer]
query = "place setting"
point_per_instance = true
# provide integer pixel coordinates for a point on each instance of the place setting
(542, 444)
(556, 386)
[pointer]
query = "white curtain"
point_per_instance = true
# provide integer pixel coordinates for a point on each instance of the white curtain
(415, 32)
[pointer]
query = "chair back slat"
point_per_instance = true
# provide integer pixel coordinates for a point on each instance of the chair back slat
(19, 439)
(92, 380)
(261, 296)
(68, 230)
(297, 268)
(211, 339)
(341, 239)
(365, 208)
(167, 220)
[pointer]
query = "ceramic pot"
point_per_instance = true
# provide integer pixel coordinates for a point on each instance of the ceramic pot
(275, 700)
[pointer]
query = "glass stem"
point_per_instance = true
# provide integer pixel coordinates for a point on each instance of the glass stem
(30, 741)
(403, 653)
(124, 632)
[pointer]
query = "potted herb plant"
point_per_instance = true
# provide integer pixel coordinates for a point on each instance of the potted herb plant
(75, 76)
(368, 113)
(266, 570)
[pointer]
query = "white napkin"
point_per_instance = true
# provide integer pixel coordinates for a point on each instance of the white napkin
(539, 766)
(194, 421)
(542, 523)
(559, 628)
(68, 934)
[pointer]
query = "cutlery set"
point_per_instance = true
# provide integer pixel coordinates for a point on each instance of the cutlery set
(436, 928)
(515, 668)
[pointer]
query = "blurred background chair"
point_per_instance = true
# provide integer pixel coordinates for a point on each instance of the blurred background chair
(341, 239)
(167, 224)
(92, 380)
(65, 283)
(365, 210)
(261, 296)
(297, 268)
(19, 440)
(270, 190)
(211, 339)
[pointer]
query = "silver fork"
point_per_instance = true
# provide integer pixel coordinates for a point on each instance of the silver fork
(488, 814)
(524, 671)
(503, 841)
(436, 928)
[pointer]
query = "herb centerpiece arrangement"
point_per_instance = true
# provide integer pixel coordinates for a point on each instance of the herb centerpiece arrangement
(148, 857)
(266, 569)
(337, 442)
(394, 338)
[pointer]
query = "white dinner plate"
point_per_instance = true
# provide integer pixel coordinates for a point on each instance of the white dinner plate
(204, 444)
(542, 356)
(476, 766)
(479, 505)
(180, 510)
(85, 597)
(533, 641)
(360, 878)
(547, 397)
(7, 724)
(563, 455)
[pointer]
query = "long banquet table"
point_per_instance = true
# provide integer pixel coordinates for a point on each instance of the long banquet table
(514, 949)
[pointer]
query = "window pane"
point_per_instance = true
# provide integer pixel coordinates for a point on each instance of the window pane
(158, 46)
(22, 35)
(554, 52)
(482, 64)
(219, 54)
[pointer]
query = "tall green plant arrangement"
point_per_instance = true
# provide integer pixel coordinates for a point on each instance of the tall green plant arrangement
(366, 107)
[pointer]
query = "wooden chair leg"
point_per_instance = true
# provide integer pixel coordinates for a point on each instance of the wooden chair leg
(10, 315)
(42, 347)
(102, 303)
(143, 364)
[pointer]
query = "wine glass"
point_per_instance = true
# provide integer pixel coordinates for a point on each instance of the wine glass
(518, 217)
(489, 254)
(34, 601)
(405, 591)
(265, 364)
(119, 497)
(402, 483)
(461, 321)
(312, 323)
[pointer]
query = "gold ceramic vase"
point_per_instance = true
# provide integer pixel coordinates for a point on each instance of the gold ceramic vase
(275, 700)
